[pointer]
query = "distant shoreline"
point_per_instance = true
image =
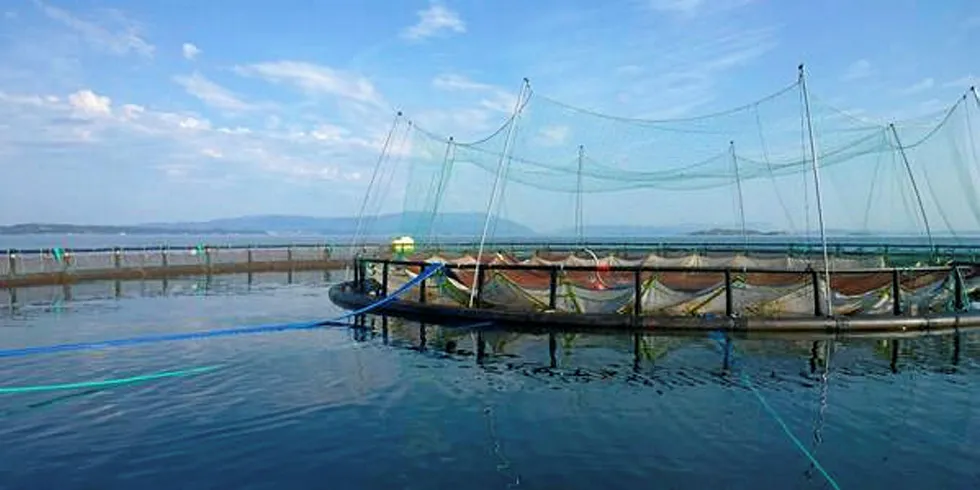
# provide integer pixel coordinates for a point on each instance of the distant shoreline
(57, 229)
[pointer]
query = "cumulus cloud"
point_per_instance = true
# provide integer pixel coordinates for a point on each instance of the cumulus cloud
(88, 103)
(190, 51)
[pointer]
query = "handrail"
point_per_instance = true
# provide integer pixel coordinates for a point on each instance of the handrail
(661, 268)
(682, 243)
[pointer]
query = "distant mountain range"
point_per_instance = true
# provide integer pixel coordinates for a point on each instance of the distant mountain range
(451, 225)
(447, 225)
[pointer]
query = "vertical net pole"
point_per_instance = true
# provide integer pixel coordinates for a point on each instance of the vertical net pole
(525, 87)
(816, 184)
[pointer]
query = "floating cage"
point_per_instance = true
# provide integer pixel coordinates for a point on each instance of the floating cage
(721, 188)
(675, 289)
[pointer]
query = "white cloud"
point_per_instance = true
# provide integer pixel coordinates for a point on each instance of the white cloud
(491, 97)
(132, 111)
(920, 86)
(190, 51)
(88, 103)
(435, 20)
(328, 132)
(553, 135)
(316, 79)
(963, 83)
(212, 153)
(194, 124)
(450, 81)
(126, 38)
(858, 70)
(211, 93)
(692, 8)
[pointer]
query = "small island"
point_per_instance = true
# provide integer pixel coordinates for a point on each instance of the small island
(731, 232)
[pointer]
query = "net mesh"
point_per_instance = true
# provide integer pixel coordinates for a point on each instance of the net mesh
(559, 171)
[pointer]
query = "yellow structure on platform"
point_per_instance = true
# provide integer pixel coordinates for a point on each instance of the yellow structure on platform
(403, 245)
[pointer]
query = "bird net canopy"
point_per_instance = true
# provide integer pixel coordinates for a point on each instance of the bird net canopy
(787, 164)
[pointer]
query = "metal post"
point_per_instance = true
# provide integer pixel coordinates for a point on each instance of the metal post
(729, 303)
(12, 262)
(357, 274)
(422, 288)
(815, 280)
(289, 256)
(896, 293)
(384, 279)
(117, 258)
(164, 260)
(958, 303)
(637, 293)
(553, 289)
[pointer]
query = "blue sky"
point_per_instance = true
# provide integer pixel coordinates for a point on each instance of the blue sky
(123, 112)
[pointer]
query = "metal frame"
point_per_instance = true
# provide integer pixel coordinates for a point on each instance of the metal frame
(361, 263)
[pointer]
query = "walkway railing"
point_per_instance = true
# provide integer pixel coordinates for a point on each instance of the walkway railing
(960, 274)
(37, 267)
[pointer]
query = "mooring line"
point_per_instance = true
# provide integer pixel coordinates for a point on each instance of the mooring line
(106, 382)
(775, 415)
(150, 339)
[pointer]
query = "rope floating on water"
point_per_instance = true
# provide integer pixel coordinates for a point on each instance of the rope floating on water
(719, 338)
(107, 382)
(152, 339)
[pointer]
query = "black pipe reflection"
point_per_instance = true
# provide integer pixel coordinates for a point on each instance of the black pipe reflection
(636, 353)
(956, 347)
(481, 347)
(552, 350)
(893, 364)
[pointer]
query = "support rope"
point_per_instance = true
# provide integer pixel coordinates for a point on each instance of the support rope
(915, 187)
(728, 350)
(153, 339)
(374, 176)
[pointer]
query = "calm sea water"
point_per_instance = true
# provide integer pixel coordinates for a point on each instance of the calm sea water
(402, 405)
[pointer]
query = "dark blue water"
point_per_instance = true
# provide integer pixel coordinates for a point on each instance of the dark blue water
(399, 405)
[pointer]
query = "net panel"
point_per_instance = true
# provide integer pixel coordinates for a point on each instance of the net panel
(779, 292)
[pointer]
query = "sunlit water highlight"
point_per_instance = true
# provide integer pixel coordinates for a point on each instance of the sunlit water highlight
(400, 405)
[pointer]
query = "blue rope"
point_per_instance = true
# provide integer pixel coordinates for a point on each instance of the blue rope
(152, 339)
(720, 338)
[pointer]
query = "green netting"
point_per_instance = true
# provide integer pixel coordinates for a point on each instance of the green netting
(559, 171)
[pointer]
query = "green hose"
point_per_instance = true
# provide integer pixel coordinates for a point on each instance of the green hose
(106, 382)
